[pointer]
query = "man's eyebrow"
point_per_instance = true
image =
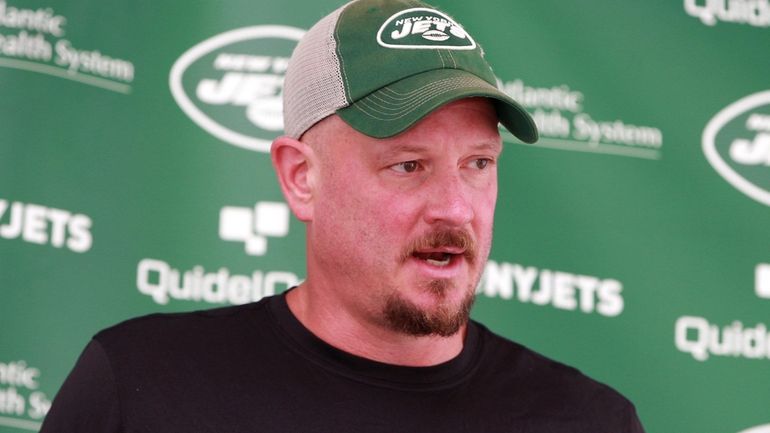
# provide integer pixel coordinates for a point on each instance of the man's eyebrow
(391, 150)
(493, 145)
(395, 149)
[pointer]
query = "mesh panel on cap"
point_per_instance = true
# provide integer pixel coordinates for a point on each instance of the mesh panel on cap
(313, 87)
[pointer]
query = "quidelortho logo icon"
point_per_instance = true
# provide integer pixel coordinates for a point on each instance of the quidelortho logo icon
(762, 280)
(162, 282)
(736, 143)
(231, 84)
(752, 12)
(253, 226)
(421, 28)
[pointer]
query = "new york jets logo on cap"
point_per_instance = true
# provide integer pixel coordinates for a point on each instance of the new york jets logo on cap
(423, 28)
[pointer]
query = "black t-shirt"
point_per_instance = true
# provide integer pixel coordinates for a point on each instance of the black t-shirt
(255, 368)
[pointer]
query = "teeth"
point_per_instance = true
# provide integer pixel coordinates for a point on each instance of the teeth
(437, 259)
(441, 263)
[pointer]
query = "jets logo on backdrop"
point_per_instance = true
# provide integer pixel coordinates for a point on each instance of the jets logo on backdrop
(423, 28)
(765, 428)
(231, 84)
(737, 144)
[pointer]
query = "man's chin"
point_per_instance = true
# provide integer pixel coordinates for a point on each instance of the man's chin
(442, 316)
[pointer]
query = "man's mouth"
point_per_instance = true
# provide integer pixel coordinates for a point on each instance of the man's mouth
(436, 258)
(442, 249)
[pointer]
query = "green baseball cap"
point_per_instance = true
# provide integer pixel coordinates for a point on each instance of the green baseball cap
(382, 65)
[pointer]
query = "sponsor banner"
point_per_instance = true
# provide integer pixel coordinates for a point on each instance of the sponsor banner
(250, 225)
(736, 142)
(34, 40)
(703, 339)
(557, 289)
(164, 283)
(113, 207)
(43, 225)
(22, 404)
(232, 83)
(755, 13)
(563, 124)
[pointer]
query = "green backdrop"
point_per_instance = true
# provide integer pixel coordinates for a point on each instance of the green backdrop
(632, 240)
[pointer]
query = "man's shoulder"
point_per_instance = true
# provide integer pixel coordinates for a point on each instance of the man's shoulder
(543, 380)
(518, 356)
(185, 329)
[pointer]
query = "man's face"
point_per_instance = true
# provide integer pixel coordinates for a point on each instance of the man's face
(402, 227)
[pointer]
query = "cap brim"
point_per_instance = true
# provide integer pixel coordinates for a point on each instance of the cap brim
(394, 108)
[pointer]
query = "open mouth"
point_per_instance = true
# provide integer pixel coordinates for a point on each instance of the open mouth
(436, 258)
(444, 250)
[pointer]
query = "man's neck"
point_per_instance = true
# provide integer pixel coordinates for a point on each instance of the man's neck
(331, 323)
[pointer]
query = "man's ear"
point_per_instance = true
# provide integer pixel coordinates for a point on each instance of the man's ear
(293, 161)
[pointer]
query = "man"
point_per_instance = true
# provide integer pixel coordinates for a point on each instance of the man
(390, 160)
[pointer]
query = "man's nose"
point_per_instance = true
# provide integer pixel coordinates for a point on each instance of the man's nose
(449, 201)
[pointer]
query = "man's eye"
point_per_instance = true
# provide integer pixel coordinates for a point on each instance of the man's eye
(480, 163)
(406, 166)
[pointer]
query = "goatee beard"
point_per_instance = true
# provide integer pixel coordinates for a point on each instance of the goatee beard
(444, 320)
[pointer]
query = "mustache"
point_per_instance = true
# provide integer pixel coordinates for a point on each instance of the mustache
(443, 238)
